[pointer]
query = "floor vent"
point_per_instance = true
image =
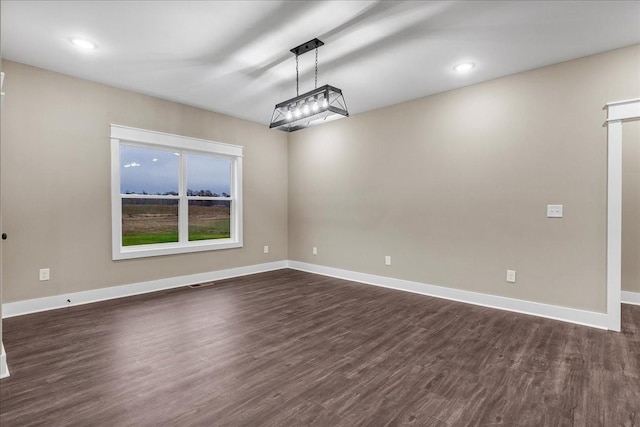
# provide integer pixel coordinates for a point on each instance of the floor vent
(202, 285)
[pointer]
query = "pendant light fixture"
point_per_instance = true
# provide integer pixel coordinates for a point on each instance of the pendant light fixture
(320, 105)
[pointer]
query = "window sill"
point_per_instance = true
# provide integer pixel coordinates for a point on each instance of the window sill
(144, 251)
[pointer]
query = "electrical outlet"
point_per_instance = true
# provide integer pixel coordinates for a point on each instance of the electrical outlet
(45, 274)
(387, 260)
(554, 211)
(266, 249)
(314, 250)
(511, 276)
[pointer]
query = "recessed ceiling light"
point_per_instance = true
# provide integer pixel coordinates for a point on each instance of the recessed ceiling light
(465, 66)
(83, 43)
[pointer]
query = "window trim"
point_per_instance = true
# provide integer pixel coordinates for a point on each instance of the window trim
(184, 145)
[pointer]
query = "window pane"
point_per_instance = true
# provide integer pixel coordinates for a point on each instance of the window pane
(208, 176)
(147, 171)
(209, 219)
(147, 221)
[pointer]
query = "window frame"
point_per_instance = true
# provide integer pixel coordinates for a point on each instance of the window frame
(184, 145)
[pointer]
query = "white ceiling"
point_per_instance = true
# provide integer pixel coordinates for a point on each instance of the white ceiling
(233, 56)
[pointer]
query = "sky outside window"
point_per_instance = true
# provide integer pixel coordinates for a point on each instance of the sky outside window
(208, 175)
(148, 171)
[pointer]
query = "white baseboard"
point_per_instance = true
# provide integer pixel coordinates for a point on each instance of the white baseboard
(572, 315)
(581, 317)
(630, 297)
(4, 369)
(19, 308)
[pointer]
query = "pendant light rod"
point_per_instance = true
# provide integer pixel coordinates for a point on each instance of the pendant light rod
(302, 49)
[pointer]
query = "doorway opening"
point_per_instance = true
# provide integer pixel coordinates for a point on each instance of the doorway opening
(617, 114)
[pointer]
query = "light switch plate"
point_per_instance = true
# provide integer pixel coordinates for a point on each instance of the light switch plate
(387, 260)
(266, 249)
(314, 250)
(511, 276)
(555, 211)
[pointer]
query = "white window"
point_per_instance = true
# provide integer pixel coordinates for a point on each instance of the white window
(172, 194)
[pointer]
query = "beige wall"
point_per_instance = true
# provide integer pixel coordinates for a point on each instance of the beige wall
(56, 177)
(631, 206)
(455, 186)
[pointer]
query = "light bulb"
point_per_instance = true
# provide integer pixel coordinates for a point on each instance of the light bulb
(288, 115)
(325, 103)
(297, 113)
(315, 106)
(305, 109)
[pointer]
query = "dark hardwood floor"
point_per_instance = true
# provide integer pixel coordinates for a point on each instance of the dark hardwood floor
(287, 348)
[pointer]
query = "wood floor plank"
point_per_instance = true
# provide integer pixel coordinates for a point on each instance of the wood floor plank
(288, 348)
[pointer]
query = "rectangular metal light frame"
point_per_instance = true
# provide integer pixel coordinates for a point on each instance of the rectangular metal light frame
(336, 106)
